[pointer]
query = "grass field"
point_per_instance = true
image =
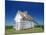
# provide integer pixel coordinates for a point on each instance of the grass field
(33, 30)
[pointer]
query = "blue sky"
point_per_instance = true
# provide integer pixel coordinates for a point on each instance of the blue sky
(36, 10)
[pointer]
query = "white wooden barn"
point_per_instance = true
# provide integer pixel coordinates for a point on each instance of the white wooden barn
(23, 21)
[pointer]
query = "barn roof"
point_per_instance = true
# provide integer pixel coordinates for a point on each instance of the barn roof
(25, 16)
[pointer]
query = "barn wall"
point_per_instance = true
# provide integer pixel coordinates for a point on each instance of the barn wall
(26, 24)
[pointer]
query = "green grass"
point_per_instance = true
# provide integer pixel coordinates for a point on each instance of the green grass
(24, 31)
(10, 30)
